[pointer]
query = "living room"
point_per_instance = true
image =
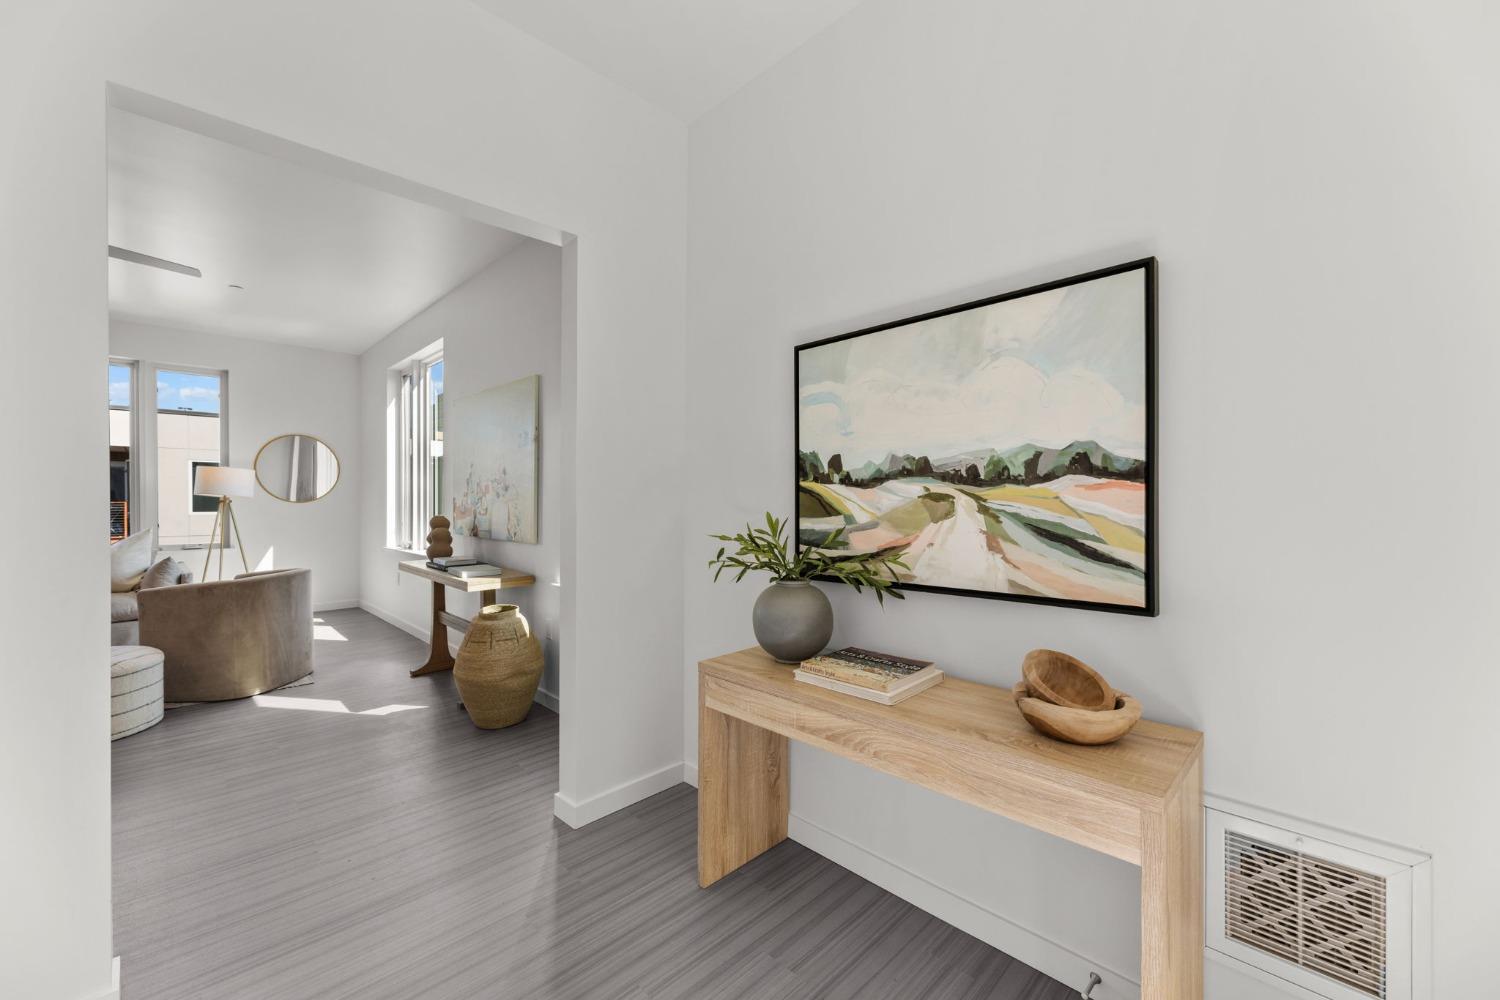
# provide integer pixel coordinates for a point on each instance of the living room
(345, 303)
(707, 203)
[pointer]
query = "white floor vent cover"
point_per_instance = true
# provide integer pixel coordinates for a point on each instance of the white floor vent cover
(1336, 921)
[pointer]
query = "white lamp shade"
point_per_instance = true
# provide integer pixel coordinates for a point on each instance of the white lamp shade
(218, 481)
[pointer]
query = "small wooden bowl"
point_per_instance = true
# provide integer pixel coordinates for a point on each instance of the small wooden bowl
(1066, 681)
(1078, 725)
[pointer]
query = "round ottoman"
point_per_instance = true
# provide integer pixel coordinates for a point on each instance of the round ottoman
(135, 689)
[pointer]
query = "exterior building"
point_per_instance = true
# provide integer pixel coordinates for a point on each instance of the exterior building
(184, 441)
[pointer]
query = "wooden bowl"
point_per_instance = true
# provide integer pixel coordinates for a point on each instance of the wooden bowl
(1078, 725)
(1066, 681)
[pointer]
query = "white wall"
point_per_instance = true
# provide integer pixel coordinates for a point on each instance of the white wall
(272, 389)
(500, 325)
(1318, 182)
(438, 93)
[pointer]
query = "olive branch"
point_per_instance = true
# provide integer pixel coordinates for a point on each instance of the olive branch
(765, 550)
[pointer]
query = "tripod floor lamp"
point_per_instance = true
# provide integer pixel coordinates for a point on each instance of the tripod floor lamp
(226, 484)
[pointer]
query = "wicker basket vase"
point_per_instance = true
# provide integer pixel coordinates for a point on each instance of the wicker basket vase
(498, 668)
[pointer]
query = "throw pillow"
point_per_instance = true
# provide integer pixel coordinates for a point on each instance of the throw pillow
(129, 558)
(167, 572)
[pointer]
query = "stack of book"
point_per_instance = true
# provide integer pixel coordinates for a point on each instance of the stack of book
(863, 673)
(463, 567)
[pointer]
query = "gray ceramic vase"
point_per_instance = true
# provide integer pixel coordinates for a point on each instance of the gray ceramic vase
(793, 620)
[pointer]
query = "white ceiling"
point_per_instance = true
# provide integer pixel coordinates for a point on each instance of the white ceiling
(324, 262)
(682, 55)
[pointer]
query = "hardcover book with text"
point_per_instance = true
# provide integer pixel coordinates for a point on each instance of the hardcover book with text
(864, 673)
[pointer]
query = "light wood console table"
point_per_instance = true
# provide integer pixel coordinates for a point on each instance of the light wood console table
(1139, 800)
(439, 659)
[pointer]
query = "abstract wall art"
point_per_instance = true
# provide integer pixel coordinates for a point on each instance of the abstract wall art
(1004, 447)
(490, 460)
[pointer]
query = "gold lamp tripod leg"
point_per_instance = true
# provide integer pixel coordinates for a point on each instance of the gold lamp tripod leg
(244, 560)
(208, 556)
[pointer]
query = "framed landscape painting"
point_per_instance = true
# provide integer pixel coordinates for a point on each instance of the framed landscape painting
(1004, 448)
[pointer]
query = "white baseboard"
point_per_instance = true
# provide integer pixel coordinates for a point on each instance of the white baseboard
(1057, 961)
(547, 698)
(336, 604)
(577, 814)
(1061, 963)
(410, 628)
(113, 993)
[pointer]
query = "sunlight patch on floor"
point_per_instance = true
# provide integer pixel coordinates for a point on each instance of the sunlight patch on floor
(327, 632)
(324, 705)
(390, 709)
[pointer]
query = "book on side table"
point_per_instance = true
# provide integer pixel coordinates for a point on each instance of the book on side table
(864, 673)
(446, 563)
(475, 570)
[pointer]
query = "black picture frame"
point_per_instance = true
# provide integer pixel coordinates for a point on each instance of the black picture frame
(1146, 264)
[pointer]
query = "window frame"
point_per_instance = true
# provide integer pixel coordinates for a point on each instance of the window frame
(144, 452)
(133, 432)
(413, 448)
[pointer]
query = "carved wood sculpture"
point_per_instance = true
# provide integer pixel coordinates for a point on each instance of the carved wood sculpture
(439, 539)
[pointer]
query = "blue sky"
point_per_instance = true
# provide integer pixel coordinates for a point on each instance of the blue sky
(174, 390)
(186, 391)
(119, 385)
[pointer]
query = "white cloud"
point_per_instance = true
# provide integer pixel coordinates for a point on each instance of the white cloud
(1046, 369)
(1001, 405)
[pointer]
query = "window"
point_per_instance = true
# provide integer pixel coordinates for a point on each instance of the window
(419, 450)
(153, 463)
(121, 440)
(435, 449)
(189, 433)
(204, 504)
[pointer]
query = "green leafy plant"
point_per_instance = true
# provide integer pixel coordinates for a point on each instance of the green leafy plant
(765, 550)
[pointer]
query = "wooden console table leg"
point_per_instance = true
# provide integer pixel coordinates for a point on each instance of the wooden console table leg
(742, 792)
(1172, 895)
(439, 659)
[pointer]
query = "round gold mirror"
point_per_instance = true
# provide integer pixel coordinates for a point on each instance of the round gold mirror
(297, 468)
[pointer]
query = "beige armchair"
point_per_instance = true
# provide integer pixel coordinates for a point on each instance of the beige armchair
(231, 638)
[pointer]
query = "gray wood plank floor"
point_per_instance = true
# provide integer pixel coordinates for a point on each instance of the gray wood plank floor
(267, 853)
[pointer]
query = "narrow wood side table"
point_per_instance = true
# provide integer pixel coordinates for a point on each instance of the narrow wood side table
(1139, 800)
(439, 659)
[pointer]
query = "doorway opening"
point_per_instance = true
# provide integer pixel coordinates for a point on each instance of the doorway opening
(339, 357)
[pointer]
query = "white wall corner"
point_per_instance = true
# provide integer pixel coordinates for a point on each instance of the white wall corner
(113, 993)
(1044, 955)
(577, 814)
